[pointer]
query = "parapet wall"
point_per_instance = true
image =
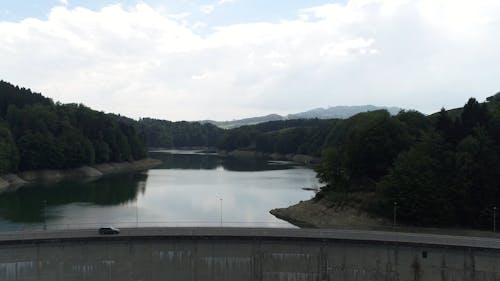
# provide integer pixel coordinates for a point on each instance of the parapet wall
(218, 258)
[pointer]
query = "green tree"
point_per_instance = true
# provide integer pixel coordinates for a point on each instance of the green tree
(332, 172)
(476, 179)
(420, 183)
(9, 155)
(102, 151)
(366, 145)
(39, 151)
(474, 114)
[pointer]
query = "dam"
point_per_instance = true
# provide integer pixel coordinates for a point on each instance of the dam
(230, 254)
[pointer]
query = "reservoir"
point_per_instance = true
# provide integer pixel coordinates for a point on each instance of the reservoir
(188, 189)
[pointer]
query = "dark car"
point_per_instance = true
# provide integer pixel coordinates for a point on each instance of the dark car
(109, 230)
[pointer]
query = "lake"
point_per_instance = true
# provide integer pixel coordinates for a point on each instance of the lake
(188, 189)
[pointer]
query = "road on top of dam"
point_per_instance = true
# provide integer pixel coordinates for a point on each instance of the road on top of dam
(253, 233)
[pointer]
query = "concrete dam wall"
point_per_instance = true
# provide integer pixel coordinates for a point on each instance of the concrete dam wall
(233, 258)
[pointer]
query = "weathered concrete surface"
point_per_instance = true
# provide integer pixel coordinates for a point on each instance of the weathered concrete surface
(246, 254)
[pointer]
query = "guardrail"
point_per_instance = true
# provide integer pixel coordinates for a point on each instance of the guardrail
(142, 224)
(351, 236)
(163, 222)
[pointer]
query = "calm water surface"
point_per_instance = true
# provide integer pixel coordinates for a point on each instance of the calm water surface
(189, 189)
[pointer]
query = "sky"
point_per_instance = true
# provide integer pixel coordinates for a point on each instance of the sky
(231, 59)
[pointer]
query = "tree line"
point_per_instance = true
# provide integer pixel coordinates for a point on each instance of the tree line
(167, 134)
(299, 136)
(36, 133)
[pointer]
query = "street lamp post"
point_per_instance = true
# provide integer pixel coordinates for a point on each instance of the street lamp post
(220, 200)
(136, 215)
(495, 219)
(394, 212)
(44, 214)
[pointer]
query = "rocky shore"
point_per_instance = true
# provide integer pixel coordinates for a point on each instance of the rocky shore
(323, 214)
(14, 180)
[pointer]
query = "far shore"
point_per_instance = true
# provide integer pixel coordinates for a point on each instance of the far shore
(12, 181)
(241, 153)
(300, 158)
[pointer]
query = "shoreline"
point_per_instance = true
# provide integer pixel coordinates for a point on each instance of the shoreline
(326, 215)
(299, 158)
(314, 213)
(10, 181)
(240, 153)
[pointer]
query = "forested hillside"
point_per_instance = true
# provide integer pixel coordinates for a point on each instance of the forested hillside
(36, 133)
(299, 136)
(439, 170)
(167, 134)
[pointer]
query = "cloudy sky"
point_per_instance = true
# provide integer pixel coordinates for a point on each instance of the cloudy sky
(229, 59)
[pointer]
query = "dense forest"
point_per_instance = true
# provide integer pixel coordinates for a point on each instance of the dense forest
(439, 170)
(36, 133)
(167, 134)
(300, 136)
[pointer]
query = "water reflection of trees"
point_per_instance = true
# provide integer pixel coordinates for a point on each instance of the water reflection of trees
(212, 161)
(187, 161)
(27, 203)
(253, 165)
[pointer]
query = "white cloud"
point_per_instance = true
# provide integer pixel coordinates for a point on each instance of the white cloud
(275, 55)
(180, 16)
(222, 2)
(65, 2)
(140, 62)
(347, 47)
(207, 9)
(199, 76)
(198, 25)
(210, 8)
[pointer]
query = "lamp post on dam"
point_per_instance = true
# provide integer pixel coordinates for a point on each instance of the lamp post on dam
(495, 219)
(394, 214)
(44, 214)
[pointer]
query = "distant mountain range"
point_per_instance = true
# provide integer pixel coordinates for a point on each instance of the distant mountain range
(334, 112)
(245, 121)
